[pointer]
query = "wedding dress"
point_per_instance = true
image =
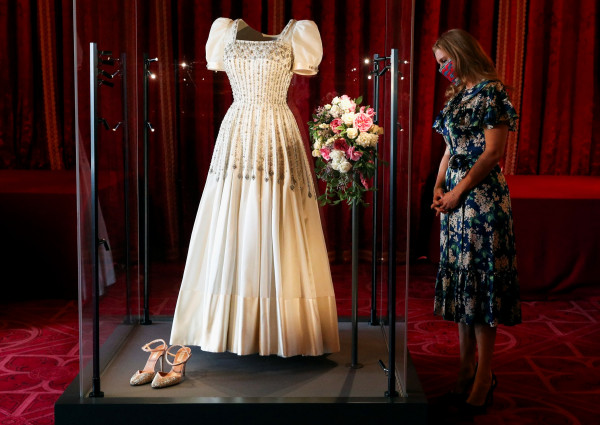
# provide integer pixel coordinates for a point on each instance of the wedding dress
(257, 277)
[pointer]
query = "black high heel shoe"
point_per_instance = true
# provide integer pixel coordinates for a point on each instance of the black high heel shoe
(468, 409)
(455, 398)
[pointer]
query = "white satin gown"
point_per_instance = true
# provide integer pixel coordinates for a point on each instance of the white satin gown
(257, 276)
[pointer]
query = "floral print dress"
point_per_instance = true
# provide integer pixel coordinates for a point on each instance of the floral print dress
(477, 277)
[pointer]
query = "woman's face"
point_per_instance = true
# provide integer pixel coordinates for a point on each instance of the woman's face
(440, 56)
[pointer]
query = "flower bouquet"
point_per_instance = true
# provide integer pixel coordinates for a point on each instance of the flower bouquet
(344, 142)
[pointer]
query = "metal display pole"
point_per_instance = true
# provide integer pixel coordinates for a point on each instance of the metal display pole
(146, 74)
(391, 392)
(374, 321)
(354, 361)
(377, 73)
(96, 392)
(126, 187)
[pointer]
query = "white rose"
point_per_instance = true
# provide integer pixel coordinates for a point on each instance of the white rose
(344, 167)
(330, 141)
(348, 118)
(328, 107)
(374, 139)
(316, 153)
(336, 155)
(345, 104)
(364, 139)
(323, 125)
(352, 133)
(317, 145)
(335, 111)
(335, 100)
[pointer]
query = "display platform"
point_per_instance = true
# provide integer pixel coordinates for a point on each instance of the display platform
(235, 389)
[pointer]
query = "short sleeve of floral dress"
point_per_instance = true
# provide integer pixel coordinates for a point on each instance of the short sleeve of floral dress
(477, 278)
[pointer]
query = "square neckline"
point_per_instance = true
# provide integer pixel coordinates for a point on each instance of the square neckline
(278, 37)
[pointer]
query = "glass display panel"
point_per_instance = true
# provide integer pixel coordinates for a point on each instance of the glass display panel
(186, 104)
(114, 162)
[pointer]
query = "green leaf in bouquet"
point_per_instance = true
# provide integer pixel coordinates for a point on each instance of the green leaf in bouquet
(358, 100)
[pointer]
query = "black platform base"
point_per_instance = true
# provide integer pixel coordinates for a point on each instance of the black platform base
(230, 389)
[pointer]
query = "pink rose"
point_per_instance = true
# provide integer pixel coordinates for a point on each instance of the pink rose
(353, 154)
(325, 153)
(371, 112)
(362, 109)
(352, 107)
(362, 121)
(340, 145)
(335, 124)
(363, 181)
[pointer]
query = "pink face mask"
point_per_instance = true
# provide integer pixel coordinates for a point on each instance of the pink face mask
(447, 70)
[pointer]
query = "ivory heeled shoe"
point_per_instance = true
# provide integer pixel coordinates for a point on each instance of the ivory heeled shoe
(175, 376)
(146, 375)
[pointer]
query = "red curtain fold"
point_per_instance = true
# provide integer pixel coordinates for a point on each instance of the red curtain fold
(510, 55)
(560, 93)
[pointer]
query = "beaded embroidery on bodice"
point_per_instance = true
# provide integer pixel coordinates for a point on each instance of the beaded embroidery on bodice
(259, 136)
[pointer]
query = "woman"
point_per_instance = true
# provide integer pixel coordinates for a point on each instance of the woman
(477, 284)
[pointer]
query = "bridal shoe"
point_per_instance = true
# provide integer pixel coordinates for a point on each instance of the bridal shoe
(175, 376)
(146, 375)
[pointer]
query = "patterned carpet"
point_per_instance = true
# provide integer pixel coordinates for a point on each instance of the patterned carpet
(548, 368)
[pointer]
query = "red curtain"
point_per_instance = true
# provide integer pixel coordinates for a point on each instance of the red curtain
(36, 104)
(559, 114)
(558, 132)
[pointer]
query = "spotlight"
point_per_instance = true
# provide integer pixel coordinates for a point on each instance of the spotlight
(117, 126)
(184, 65)
(367, 61)
(150, 126)
(153, 76)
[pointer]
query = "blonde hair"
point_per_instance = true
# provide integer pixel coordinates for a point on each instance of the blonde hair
(471, 63)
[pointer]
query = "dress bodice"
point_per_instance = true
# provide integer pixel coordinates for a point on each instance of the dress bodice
(259, 71)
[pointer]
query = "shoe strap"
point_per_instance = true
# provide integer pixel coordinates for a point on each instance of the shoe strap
(186, 350)
(161, 347)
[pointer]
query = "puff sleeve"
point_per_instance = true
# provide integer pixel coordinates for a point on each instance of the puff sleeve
(215, 45)
(498, 109)
(307, 48)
